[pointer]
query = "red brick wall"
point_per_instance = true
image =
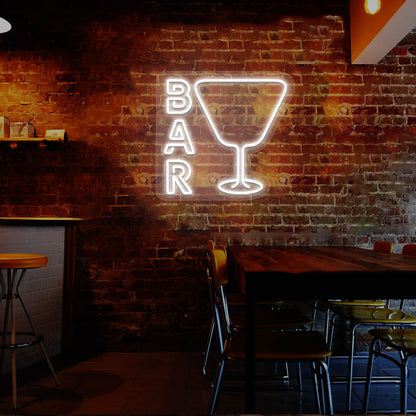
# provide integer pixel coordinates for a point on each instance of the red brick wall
(341, 170)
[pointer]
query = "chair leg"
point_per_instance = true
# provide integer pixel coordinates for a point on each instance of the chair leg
(217, 384)
(322, 387)
(327, 324)
(403, 386)
(208, 346)
(300, 378)
(369, 375)
(330, 329)
(326, 385)
(315, 385)
(351, 367)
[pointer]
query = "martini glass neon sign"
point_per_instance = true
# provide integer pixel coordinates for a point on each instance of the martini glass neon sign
(240, 184)
(239, 112)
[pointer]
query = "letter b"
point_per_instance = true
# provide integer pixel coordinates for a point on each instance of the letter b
(179, 99)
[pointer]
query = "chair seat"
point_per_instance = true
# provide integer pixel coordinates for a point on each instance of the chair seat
(236, 299)
(287, 345)
(403, 339)
(374, 315)
(356, 302)
(271, 318)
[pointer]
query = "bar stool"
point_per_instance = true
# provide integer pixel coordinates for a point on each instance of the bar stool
(16, 266)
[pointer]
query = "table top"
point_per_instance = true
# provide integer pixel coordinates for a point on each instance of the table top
(326, 271)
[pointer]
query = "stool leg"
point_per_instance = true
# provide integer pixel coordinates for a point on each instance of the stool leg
(18, 296)
(13, 341)
(5, 295)
(7, 292)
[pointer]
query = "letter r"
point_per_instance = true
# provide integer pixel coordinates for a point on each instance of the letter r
(177, 174)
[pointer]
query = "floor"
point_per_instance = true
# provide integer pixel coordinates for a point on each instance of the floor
(172, 384)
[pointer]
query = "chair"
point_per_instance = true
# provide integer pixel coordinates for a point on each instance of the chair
(16, 266)
(268, 315)
(372, 316)
(402, 341)
(409, 250)
(279, 345)
(368, 315)
(328, 306)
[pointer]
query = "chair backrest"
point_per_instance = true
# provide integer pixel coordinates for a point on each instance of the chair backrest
(218, 257)
(219, 264)
(409, 250)
(383, 246)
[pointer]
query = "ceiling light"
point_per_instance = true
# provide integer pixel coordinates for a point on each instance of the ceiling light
(372, 6)
(5, 26)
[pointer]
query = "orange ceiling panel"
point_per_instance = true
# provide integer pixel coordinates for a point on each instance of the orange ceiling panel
(373, 36)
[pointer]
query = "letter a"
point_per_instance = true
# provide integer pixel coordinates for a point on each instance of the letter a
(177, 174)
(179, 137)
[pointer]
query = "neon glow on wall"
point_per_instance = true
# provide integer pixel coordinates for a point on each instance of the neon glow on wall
(222, 113)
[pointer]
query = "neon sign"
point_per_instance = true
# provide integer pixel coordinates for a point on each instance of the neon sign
(235, 113)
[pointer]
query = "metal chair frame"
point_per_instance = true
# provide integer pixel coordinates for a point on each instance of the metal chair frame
(334, 309)
(404, 356)
(297, 321)
(225, 334)
(319, 370)
(377, 351)
(351, 355)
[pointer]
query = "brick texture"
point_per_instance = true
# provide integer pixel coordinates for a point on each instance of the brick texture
(341, 165)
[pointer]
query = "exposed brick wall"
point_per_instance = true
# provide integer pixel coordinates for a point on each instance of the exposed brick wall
(341, 167)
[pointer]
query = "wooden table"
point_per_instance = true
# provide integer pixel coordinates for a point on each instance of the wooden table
(314, 272)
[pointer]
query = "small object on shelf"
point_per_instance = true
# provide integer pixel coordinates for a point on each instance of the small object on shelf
(55, 135)
(4, 127)
(22, 129)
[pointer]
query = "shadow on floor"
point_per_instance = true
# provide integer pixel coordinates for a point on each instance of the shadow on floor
(171, 383)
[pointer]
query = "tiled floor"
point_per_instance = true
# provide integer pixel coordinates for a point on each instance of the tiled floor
(170, 384)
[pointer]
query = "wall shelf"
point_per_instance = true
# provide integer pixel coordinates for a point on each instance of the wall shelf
(31, 140)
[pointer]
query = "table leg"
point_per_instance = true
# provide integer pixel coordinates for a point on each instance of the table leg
(250, 348)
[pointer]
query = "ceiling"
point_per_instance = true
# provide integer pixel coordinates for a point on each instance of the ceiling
(373, 36)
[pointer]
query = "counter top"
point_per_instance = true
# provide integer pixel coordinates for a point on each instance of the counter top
(36, 219)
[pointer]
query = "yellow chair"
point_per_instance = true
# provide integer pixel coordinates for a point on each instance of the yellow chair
(373, 317)
(281, 345)
(369, 315)
(404, 342)
(328, 306)
(401, 340)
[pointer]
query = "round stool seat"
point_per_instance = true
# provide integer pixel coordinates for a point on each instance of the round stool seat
(22, 261)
